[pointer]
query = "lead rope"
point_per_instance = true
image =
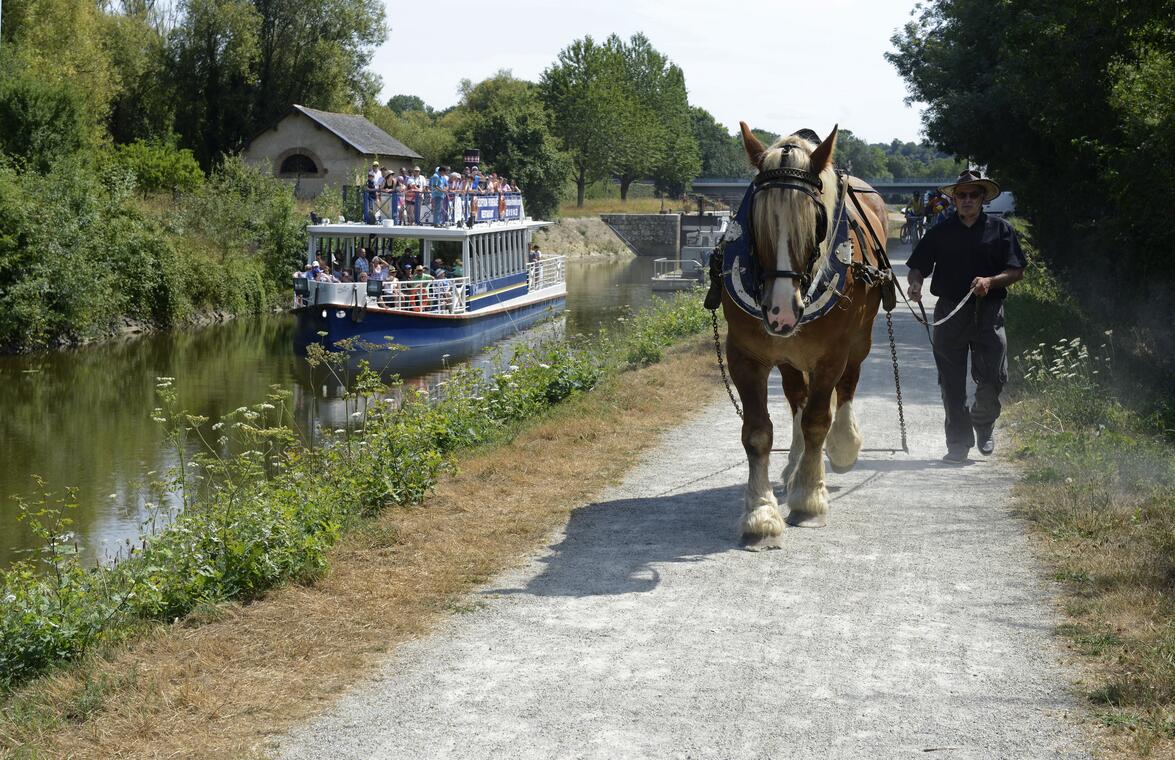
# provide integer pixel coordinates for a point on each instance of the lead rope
(897, 379)
(722, 364)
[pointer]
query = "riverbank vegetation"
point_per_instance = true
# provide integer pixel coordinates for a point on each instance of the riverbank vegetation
(1091, 431)
(261, 510)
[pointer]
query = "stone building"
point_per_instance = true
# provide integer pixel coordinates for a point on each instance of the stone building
(312, 149)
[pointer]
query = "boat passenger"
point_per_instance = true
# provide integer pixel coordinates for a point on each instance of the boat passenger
(458, 270)
(419, 296)
(361, 263)
(379, 269)
(457, 199)
(535, 254)
(443, 291)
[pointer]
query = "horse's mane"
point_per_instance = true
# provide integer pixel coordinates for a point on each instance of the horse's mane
(793, 209)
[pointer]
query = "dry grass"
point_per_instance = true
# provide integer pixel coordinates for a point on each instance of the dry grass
(582, 236)
(219, 684)
(1105, 524)
(595, 206)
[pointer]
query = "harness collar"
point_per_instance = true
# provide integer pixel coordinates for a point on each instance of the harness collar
(822, 286)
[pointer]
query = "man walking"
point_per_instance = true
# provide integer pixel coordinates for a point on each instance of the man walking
(970, 254)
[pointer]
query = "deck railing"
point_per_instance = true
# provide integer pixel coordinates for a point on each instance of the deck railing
(444, 296)
(547, 272)
(675, 268)
(413, 207)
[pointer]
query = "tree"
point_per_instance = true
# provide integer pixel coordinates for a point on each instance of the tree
(143, 107)
(583, 93)
(866, 160)
(656, 139)
(505, 118)
(40, 124)
(241, 63)
(213, 61)
(399, 104)
(60, 44)
(1069, 95)
(425, 133)
(315, 52)
(720, 152)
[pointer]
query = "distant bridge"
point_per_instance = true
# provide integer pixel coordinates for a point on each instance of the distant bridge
(730, 190)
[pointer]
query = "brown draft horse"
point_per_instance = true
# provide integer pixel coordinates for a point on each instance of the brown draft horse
(820, 360)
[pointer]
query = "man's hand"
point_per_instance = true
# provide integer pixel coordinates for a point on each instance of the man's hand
(981, 285)
(915, 289)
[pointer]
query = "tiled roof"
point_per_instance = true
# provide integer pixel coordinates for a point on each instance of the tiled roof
(359, 133)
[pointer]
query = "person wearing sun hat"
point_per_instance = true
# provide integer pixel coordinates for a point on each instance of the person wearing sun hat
(971, 256)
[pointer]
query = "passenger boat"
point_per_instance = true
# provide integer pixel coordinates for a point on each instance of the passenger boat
(499, 293)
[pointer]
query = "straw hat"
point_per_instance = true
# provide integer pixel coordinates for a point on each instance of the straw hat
(991, 190)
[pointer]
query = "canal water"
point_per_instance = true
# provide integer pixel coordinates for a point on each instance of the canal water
(81, 419)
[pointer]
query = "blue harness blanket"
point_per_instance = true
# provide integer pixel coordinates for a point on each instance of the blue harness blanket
(741, 270)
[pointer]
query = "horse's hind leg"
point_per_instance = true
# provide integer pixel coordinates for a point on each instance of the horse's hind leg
(844, 438)
(795, 388)
(761, 523)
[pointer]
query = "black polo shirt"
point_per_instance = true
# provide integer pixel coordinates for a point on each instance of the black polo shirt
(956, 254)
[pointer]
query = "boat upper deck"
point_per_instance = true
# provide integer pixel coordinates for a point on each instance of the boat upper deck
(423, 231)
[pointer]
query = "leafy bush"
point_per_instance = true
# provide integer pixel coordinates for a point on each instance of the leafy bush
(270, 512)
(41, 125)
(76, 257)
(241, 210)
(158, 165)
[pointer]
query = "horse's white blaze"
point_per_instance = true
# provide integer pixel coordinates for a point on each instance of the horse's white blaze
(779, 309)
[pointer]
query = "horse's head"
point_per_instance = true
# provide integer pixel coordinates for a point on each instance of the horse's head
(793, 200)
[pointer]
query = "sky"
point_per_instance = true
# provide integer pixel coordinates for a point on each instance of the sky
(778, 65)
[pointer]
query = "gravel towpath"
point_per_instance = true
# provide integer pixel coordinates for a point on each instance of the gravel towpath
(915, 625)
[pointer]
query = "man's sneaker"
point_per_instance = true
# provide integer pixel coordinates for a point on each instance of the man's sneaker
(956, 456)
(984, 439)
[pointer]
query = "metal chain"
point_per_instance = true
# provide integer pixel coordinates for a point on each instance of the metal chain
(897, 380)
(722, 365)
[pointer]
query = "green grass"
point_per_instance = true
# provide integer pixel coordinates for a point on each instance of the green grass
(1098, 486)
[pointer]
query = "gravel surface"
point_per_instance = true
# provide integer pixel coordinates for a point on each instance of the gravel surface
(915, 625)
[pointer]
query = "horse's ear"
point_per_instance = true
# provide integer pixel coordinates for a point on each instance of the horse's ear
(752, 145)
(822, 156)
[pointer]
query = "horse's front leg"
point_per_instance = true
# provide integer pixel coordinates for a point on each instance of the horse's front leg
(807, 497)
(795, 388)
(844, 437)
(761, 524)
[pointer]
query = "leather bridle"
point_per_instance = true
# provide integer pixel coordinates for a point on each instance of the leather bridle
(800, 180)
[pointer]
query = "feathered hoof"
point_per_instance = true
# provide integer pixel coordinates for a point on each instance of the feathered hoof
(753, 543)
(807, 519)
(760, 525)
(808, 508)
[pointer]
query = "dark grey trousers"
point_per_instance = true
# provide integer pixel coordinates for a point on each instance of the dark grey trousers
(977, 330)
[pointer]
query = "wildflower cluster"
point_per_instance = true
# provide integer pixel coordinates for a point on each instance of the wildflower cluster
(1068, 361)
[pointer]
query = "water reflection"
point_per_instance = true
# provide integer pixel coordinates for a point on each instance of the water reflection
(82, 418)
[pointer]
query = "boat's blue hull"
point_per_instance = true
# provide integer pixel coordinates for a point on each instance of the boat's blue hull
(455, 334)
